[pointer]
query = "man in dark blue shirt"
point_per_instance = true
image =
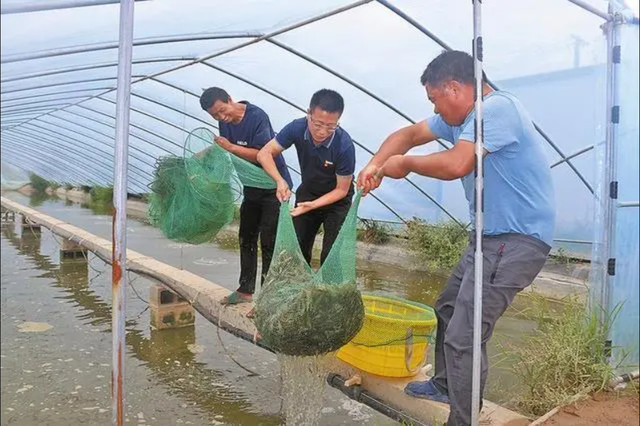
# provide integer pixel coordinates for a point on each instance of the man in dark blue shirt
(244, 130)
(327, 161)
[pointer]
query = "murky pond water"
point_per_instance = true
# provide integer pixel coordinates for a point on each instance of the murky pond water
(56, 340)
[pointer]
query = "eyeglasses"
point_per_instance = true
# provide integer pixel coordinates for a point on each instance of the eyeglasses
(320, 125)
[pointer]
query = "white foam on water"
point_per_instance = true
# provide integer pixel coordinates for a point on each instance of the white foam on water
(195, 348)
(34, 327)
(209, 262)
(355, 410)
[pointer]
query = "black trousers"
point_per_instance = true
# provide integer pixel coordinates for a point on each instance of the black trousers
(258, 219)
(331, 217)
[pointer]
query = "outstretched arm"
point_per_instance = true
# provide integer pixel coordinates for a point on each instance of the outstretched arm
(266, 158)
(397, 143)
(452, 164)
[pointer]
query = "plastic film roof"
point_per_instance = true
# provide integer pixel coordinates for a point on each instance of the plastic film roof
(58, 112)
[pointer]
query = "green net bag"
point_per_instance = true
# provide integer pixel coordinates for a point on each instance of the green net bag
(304, 313)
(194, 197)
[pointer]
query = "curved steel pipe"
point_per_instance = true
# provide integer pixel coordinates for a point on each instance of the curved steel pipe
(26, 7)
(33, 106)
(40, 168)
(151, 132)
(92, 67)
(26, 142)
(69, 143)
(112, 138)
(59, 92)
(70, 50)
(350, 82)
(112, 126)
(52, 159)
(242, 45)
(64, 98)
(77, 132)
(38, 109)
(444, 45)
(61, 83)
(71, 146)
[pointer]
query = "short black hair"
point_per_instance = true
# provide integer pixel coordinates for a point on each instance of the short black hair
(450, 65)
(327, 100)
(211, 95)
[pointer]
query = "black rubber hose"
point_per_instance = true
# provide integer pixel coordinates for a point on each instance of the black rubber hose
(358, 394)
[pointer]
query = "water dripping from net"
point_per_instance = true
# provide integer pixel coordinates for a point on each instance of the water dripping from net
(303, 385)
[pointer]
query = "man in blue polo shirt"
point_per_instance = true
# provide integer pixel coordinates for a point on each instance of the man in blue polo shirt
(244, 130)
(519, 212)
(327, 162)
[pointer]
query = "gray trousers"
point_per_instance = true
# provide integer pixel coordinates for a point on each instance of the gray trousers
(511, 262)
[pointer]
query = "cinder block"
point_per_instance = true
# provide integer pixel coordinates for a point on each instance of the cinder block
(72, 250)
(160, 296)
(173, 316)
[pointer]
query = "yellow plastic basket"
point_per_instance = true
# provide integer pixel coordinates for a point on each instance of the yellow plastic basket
(394, 339)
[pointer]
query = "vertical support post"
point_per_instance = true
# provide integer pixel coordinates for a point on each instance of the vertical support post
(119, 238)
(608, 196)
(479, 214)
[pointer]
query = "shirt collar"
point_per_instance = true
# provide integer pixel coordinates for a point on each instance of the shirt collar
(326, 143)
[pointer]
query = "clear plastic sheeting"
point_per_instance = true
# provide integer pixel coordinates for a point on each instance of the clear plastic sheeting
(13, 177)
(276, 54)
(624, 284)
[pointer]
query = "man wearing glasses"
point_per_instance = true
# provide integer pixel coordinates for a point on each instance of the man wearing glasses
(327, 162)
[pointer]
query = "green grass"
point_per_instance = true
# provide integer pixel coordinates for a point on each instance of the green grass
(438, 246)
(101, 201)
(68, 186)
(373, 232)
(564, 359)
(101, 194)
(563, 258)
(38, 183)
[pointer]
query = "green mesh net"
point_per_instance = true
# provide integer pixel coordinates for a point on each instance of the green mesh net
(194, 196)
(305, 313)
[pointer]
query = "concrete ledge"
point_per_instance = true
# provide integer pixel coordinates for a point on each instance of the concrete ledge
(206, 297)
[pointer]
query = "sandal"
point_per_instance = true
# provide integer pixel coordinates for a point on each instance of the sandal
(236, 297)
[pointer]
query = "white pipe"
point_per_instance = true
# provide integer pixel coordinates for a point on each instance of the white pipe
(479, 218)
(119, 265)
(52, 5)
(624, 378)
